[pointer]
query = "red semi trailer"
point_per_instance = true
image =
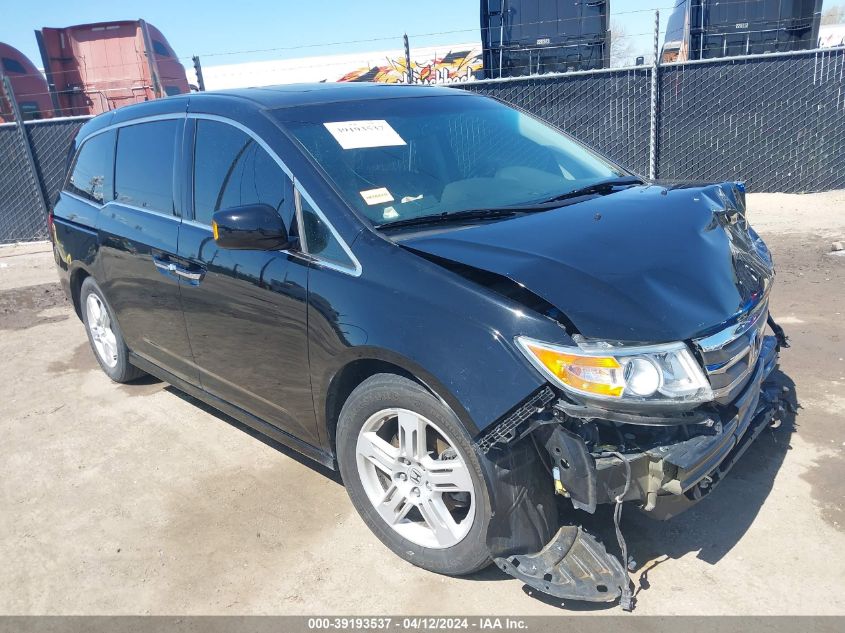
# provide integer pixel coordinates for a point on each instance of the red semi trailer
(93, 68)
(28, 84)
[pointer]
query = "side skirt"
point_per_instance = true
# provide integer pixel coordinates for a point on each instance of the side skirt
(255, 423)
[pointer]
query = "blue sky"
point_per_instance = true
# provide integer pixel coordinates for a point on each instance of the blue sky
(295, 28)
(213, 26)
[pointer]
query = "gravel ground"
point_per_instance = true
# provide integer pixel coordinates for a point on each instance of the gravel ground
(137, 499)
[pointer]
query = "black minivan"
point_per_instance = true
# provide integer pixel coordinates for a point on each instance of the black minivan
(485, 326)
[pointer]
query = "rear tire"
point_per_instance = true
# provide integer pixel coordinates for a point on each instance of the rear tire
(104, 334)
(413, 493)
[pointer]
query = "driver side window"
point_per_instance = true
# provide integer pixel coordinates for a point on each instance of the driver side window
(231, 169)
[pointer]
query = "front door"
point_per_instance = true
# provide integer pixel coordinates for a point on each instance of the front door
(246, 316)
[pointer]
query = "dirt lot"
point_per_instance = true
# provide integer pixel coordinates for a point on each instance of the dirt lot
(135, 499)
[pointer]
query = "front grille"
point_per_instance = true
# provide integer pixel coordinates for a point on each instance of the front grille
(730, 354)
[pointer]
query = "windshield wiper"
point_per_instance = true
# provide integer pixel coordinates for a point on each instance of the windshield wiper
(454, 216)
(601, 187)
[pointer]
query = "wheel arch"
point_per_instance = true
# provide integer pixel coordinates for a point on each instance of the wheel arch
(77, 276)
(365, 364)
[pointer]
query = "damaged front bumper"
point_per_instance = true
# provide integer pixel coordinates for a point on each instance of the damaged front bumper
(669, 478)
(590, 460)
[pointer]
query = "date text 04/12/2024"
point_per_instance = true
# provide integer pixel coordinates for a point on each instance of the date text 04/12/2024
(418, 623)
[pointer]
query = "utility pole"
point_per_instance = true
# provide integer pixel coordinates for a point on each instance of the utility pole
(30, 158)
(652, 142)
(408, 60)
(198, 70)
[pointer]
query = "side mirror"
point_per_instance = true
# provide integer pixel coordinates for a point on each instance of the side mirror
(252, 226)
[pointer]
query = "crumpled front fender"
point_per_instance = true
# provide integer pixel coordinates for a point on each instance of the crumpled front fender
(524, 538)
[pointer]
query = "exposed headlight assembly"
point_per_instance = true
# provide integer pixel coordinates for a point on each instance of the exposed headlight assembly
(637, 374)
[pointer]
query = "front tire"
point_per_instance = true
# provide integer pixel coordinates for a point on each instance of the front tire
(413, 476)
(104, 334)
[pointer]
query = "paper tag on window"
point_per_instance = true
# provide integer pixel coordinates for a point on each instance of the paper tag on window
(357, 134)
(376, 196)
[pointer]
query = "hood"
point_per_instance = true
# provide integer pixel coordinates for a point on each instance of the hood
(646, 264)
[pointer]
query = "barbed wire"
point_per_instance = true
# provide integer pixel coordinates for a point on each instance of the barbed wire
(358, 41)
(662, 31)
(352, 58)
(512, 25)
(329, 64)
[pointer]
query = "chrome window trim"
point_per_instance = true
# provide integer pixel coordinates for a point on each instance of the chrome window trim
(297, 210)
(355, 270)
(305, 257)
(75, 196)
(115, 126)
(72, 166)
(146, 119)
(126, 205)
(196, 224)
(248, 132)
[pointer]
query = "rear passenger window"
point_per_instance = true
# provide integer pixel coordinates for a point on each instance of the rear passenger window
(143, 170)
(90, 175)
(231, 169)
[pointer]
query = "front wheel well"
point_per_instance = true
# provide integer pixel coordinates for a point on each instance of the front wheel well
(76, 279)
(345, 382)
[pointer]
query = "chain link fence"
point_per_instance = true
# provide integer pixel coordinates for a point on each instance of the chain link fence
(607, 110)
(22, 215)
(50, 141)
(776, 122)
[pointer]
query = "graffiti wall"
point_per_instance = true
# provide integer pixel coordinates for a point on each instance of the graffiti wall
(432, 64)
(452, 66)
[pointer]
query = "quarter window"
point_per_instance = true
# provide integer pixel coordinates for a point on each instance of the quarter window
(231, 169)
(143, 172)
(319, 240)
(90, 172)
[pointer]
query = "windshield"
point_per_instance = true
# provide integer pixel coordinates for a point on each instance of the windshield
(397, 159)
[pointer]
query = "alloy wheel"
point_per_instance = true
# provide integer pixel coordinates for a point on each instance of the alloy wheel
(415, 478)
(100, 327)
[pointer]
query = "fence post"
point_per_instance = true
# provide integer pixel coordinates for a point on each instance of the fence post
(198, 70)
(408, 60)
(30, 157)
(655, 68)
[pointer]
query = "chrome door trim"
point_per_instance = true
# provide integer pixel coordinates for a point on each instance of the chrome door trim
(356, 269)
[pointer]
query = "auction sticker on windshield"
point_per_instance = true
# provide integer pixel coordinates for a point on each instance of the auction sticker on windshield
(376, 196)
(358, 134)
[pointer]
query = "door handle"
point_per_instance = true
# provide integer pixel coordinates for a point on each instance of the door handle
(167, 267)
(187, 274)
(164, 266)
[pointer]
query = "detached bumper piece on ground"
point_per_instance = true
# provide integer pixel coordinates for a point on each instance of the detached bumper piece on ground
(590, 456)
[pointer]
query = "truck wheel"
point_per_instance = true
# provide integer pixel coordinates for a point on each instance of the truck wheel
(104, 334)
(412, 475)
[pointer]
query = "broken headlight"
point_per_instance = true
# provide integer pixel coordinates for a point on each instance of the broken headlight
(642, 374)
